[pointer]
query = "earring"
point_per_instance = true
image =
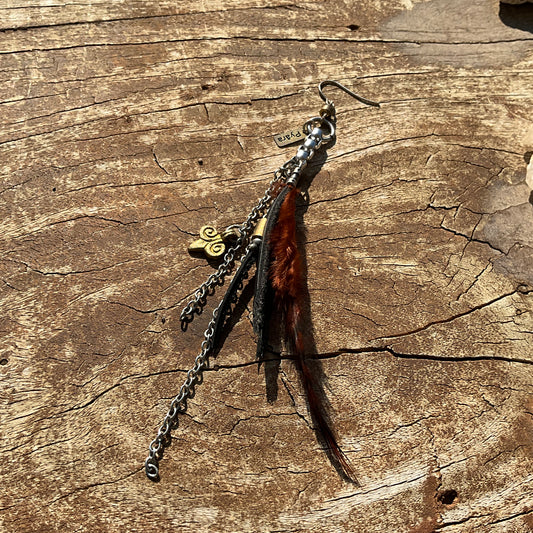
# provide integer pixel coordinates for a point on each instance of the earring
(268, 240)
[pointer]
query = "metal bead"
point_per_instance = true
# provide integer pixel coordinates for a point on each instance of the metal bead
(310, 143)
(327, 110)
(303, 154)
(317, 132)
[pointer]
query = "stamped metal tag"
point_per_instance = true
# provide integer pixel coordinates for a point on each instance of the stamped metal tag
(289, 137)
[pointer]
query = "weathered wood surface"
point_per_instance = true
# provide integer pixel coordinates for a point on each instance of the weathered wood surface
(128, 125)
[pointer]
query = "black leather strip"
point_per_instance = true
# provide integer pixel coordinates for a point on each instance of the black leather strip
(234, 287)
(263, 289)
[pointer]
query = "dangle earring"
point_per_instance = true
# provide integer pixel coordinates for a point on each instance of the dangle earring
(267, 239)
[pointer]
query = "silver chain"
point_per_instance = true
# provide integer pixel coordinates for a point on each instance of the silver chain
(179, 403)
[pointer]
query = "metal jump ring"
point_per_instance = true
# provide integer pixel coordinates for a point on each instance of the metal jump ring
(311, 123)
(152, 471)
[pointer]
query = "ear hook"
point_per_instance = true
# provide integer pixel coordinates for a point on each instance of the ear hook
(333, 83)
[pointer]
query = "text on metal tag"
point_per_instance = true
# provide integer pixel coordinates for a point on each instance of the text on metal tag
(289, 137)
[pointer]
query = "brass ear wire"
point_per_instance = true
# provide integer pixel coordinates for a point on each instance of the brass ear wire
(329, 108)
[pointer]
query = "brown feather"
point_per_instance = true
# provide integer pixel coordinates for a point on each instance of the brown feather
(287, 275)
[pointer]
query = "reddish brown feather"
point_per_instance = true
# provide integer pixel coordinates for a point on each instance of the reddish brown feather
(287, 275)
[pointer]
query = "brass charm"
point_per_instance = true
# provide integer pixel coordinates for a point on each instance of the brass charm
(212, 243)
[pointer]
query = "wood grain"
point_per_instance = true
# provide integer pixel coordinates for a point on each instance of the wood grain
(128, 125)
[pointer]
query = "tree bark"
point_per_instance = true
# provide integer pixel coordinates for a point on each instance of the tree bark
(126, 126)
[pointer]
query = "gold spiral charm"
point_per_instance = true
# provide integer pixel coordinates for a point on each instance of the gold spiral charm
(215, 249)
(209, 233)
(210, 243)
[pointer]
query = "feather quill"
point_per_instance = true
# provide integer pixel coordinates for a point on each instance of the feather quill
(287, 278)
